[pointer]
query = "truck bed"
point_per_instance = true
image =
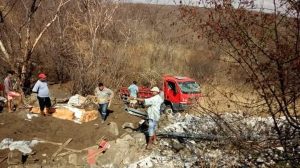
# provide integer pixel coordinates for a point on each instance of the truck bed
(144, 92)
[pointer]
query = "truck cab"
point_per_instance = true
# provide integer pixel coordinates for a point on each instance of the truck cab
(179, 92)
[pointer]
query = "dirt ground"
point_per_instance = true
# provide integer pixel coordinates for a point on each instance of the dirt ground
(14, 125)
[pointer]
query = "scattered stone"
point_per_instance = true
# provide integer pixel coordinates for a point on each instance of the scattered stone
(145, 163)
(280, 149)
(44, 161)
(177, 146)
(128, 130)
(73, 159)
(167, 153)
(140, 138)
(128, 125)
(260, 160)
(113, 128)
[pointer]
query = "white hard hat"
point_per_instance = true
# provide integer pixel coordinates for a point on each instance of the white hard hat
(154, 89)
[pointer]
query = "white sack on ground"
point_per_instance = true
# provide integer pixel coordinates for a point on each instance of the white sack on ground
(76, 100)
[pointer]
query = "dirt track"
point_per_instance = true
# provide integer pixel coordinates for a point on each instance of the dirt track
(14, 125)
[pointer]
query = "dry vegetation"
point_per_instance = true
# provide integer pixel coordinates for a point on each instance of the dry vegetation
(87, 41)
(93, 41)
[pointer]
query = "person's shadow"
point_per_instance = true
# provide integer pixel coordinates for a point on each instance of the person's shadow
(109, 111)
(143, 128)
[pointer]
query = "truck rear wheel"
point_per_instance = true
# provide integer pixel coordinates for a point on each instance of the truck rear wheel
(168, 109)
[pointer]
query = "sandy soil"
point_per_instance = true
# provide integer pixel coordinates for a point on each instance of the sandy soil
(14, 125)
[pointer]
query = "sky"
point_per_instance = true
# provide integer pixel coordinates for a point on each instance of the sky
(266, 5)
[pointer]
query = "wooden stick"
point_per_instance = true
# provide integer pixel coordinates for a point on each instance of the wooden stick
(109, 103)
(46, 141)
(61, 148)
(59, 144)
(64, 154)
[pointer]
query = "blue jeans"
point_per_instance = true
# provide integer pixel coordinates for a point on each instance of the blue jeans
(152, 127)
(103, 110)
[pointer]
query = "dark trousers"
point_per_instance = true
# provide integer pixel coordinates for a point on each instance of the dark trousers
(44, 102)
(103, 110)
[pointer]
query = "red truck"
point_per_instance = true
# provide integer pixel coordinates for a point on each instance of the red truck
(178, 92)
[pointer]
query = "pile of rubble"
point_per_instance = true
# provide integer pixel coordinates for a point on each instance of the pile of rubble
(185, 141)
(199, 141)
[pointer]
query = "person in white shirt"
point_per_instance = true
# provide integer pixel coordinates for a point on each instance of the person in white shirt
(133, 93)
(133, 89)
(153, 111)
(43, 96)
(104, 96)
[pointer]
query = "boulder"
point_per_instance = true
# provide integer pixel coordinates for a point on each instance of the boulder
(113, 128)
(114, 156)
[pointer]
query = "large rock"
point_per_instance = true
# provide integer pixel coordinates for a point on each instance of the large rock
(122, 151)
(113, 128)
(114, 156)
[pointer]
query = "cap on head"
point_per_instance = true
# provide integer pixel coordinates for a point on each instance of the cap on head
(154, 89)
(42, 76)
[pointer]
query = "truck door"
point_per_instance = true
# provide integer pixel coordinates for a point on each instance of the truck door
(171, 93)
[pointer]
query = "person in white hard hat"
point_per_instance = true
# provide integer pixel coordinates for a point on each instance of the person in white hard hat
(153, 111)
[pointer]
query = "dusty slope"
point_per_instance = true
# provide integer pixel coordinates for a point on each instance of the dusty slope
(14, 125)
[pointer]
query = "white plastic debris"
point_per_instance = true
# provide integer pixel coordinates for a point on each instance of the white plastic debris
(145, 163)
(77, 112)
(30, 116)
(22, 146)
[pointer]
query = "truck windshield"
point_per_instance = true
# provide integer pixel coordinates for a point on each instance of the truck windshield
(189, 87)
